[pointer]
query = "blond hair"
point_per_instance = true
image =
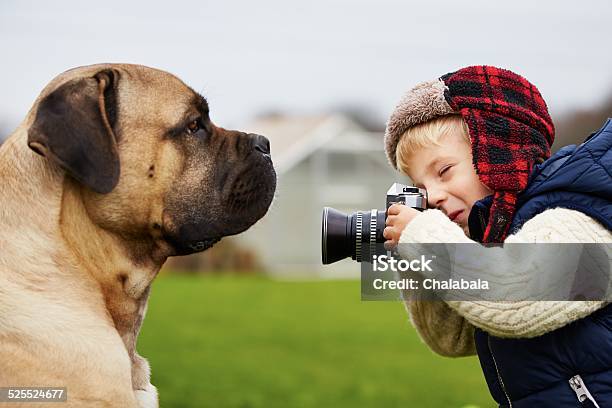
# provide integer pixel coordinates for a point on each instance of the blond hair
(427, 134)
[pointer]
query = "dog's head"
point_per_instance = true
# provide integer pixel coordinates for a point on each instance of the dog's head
(148, 159)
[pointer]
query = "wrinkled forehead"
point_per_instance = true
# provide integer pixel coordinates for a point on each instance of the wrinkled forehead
(159, 98)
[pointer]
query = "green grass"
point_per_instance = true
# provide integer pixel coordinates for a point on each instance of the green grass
(254, 342)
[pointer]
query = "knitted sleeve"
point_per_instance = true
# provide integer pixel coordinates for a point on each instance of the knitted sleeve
(446, 326)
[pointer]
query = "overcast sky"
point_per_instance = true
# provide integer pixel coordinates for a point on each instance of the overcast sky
(308, 56)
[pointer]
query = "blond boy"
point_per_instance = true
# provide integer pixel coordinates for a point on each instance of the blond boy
(478, 140)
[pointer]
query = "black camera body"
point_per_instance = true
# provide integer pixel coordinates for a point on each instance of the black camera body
(357, 235)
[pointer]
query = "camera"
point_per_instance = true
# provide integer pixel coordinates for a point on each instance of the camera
(357, 235)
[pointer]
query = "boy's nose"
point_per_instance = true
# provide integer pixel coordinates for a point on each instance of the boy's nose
(435, 198)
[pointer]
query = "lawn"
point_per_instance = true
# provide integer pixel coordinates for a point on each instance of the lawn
(253, 342)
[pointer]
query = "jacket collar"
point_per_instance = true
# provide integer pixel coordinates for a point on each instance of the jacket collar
(479, 218)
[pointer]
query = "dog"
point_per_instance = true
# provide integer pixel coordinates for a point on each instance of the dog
(115, 168)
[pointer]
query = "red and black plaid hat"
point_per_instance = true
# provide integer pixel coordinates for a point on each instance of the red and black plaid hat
(509, 125)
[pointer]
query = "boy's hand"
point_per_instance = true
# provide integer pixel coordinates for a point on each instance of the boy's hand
(398, 216)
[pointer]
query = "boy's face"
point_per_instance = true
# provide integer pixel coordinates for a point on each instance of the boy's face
(446, 171)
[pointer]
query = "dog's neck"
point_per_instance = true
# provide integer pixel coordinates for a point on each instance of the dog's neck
(135, 261)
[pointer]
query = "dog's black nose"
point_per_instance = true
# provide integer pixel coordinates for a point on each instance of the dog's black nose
(260, 143)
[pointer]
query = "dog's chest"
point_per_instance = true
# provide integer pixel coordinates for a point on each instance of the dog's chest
(127, 313)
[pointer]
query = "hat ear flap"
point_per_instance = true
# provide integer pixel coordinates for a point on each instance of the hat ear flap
(74, 128)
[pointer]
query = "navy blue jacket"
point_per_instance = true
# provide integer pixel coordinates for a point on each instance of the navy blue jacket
(537, 372)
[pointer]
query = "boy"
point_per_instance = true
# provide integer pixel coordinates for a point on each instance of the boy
(478, 140)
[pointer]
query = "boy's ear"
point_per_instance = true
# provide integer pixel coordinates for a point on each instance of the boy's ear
(74, 128)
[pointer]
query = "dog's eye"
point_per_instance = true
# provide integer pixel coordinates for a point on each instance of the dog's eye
(193, 127)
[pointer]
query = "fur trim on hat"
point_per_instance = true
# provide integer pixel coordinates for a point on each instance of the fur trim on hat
(422, 103)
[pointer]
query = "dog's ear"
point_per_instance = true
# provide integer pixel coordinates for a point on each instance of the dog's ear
(74, 128)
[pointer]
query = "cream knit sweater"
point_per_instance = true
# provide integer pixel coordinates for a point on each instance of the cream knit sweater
(448, 327)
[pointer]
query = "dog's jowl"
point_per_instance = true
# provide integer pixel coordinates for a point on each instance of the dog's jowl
(114, 169)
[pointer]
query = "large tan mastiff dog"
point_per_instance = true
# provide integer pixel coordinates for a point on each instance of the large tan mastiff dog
(115, 168)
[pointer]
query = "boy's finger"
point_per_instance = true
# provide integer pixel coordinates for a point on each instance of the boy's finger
(394, 209)
(390, 220)
(387, 232)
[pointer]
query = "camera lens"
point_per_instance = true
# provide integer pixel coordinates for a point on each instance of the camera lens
(354, 235)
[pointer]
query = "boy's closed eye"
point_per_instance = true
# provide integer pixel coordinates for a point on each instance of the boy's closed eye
(444, 169)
